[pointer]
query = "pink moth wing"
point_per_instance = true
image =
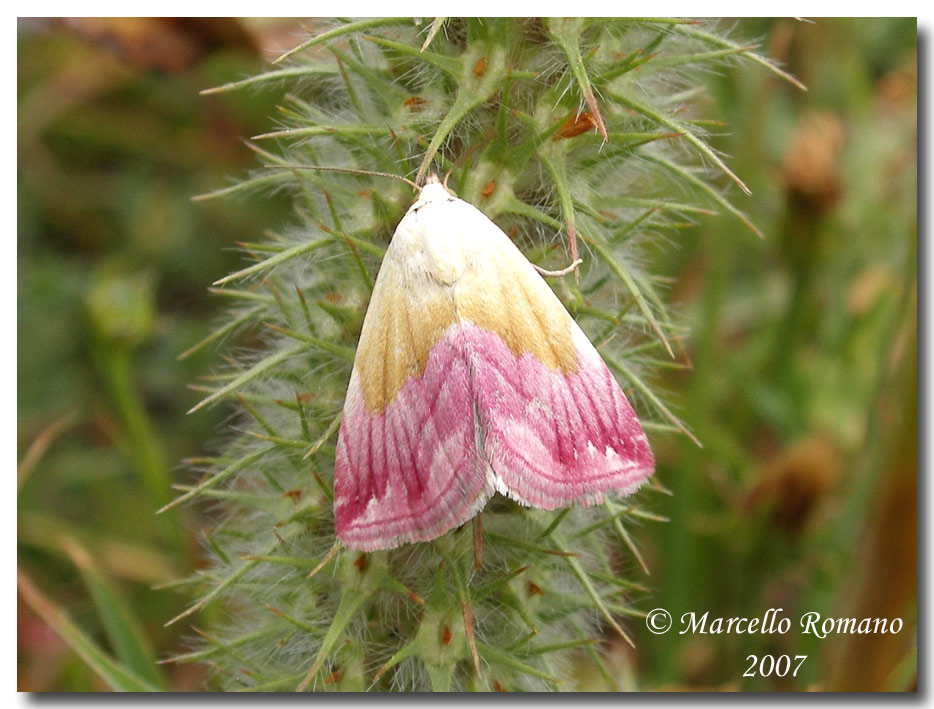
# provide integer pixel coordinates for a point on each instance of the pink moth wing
(471, 378)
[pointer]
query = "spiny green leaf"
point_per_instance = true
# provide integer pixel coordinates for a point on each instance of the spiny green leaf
(249, 375)
(281, 257)
(215, 591)
(350, 603)
(617, 267)
(681, 59)
(545, 649)
(498, 657)
(345, 28)
(721, 42)
(678, 127)
(588, 586)
(566, 33)
(451, 66)
(345, 353)
(293, 72)
(703, 186)
(463, 104)
(646, 391)
(268, 179)
(263, 298)
(333, 129)
(219, 477)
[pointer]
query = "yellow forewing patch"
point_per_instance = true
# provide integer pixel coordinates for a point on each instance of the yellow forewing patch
(400, 329)
(525, 314)
(470, 273)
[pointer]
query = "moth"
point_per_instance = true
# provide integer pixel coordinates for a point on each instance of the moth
(471, 378)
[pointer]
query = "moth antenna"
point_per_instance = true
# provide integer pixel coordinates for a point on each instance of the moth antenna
(353, 171)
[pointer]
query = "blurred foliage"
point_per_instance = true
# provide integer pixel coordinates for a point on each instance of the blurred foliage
(802, 349)
(113, 258)
(799, 345)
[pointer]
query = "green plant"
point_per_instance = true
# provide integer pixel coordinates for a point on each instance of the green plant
(573, 135)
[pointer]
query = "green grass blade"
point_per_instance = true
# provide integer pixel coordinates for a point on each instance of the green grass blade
(126, 636)
(117, 677)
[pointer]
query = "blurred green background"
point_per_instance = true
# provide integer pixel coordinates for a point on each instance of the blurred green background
(802, 380)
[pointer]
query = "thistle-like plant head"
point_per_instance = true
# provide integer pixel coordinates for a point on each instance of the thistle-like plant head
(579, 138)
